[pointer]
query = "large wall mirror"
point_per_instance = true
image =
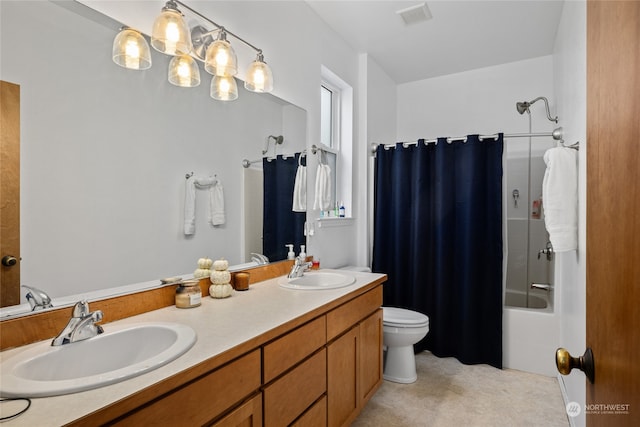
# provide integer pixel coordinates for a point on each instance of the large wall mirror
(104, 152)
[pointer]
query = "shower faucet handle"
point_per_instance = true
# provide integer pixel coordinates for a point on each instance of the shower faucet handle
(547, 251)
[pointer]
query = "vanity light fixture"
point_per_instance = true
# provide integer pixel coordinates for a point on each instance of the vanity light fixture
(184, 71)
(221, 59)
(259, 77)
(172, 36)
(131, 50)
(170, 33)
(224, 88)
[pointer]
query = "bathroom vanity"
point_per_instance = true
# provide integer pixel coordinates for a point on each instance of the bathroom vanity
(268, 356)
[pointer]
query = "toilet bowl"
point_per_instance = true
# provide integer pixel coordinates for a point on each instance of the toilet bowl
(401, 330)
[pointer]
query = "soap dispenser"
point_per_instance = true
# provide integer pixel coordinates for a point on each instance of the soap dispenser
(290, 254)
(303, 254)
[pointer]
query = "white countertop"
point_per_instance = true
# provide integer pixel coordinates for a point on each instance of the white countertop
(220, 324)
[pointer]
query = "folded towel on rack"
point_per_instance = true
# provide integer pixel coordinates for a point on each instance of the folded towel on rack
(560, 196)
(190, 200)
(190, 206)
(216, 204)
(323, 188)
(300, 190)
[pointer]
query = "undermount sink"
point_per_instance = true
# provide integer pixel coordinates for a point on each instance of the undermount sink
(317, 280)
(121, 352)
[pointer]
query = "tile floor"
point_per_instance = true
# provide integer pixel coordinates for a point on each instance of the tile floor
(449, 393)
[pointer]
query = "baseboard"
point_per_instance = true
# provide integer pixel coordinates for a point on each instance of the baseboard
(565, 398)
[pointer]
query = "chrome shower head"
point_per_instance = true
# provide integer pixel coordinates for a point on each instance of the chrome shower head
(522, 107)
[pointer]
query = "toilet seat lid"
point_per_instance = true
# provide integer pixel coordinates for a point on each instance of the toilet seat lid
(403, 317)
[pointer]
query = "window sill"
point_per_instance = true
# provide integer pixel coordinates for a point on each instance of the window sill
(335, 222)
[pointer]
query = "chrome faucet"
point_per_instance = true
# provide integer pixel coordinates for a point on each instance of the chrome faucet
(81, 326)
(298, 268)
(259, 258)
(37, 298)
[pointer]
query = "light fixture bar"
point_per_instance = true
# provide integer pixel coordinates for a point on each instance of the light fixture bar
(218, 26)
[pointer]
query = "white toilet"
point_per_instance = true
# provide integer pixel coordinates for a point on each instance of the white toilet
(401, 328)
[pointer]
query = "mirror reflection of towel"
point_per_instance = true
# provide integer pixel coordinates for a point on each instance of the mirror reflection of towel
(216, 204)
(300, 190)
(323, 188)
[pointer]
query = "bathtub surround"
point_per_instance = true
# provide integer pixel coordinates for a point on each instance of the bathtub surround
(438, 236)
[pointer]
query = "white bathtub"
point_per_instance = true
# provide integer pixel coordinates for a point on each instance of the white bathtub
(529, 335)
(518, 299)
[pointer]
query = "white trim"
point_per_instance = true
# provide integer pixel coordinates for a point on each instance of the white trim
(335, 222)
(565, 399)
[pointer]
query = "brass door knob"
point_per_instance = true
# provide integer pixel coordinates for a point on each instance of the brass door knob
(565, 363)
(9, 261)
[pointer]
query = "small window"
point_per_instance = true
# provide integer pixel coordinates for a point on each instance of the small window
(336, 134)
(329, 115)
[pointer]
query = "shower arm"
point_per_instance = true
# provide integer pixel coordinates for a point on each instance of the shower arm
(277, 141)
(526, 106)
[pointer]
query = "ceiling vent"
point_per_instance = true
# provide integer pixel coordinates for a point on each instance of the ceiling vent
(415, 14)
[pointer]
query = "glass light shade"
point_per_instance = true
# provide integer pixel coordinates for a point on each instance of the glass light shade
(224, 88)
(170, 33)
(259, 77)
(221, 59)
(131, 50)
(184, 71)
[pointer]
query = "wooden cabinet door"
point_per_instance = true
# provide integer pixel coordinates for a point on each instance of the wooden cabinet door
(342, 378)
(370, 356)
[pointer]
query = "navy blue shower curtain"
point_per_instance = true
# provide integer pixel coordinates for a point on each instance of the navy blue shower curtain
(438, 237)
(281, 226)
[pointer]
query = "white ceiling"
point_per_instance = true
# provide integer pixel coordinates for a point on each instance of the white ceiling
(463, 35)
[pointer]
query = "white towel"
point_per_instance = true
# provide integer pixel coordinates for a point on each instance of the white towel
(190, 201)
(323, 188)
(560, 196)
(216, 204)
(190, 206)
(300, 190)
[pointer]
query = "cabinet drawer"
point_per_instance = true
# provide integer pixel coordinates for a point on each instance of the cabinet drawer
(293, 347)
(291, 395)
(249, 414)
(204, 399)
(316, 416)
(350, 313)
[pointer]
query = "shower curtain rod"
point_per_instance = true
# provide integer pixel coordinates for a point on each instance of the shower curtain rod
(556, 134)
(246, 162)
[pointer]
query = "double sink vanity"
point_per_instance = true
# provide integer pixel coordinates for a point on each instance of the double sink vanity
(306, 351)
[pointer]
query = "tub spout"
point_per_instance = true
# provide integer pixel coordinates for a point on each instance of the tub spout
(543, 286)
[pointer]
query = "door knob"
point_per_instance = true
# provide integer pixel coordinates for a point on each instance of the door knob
(565, 363)
(9, 261)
